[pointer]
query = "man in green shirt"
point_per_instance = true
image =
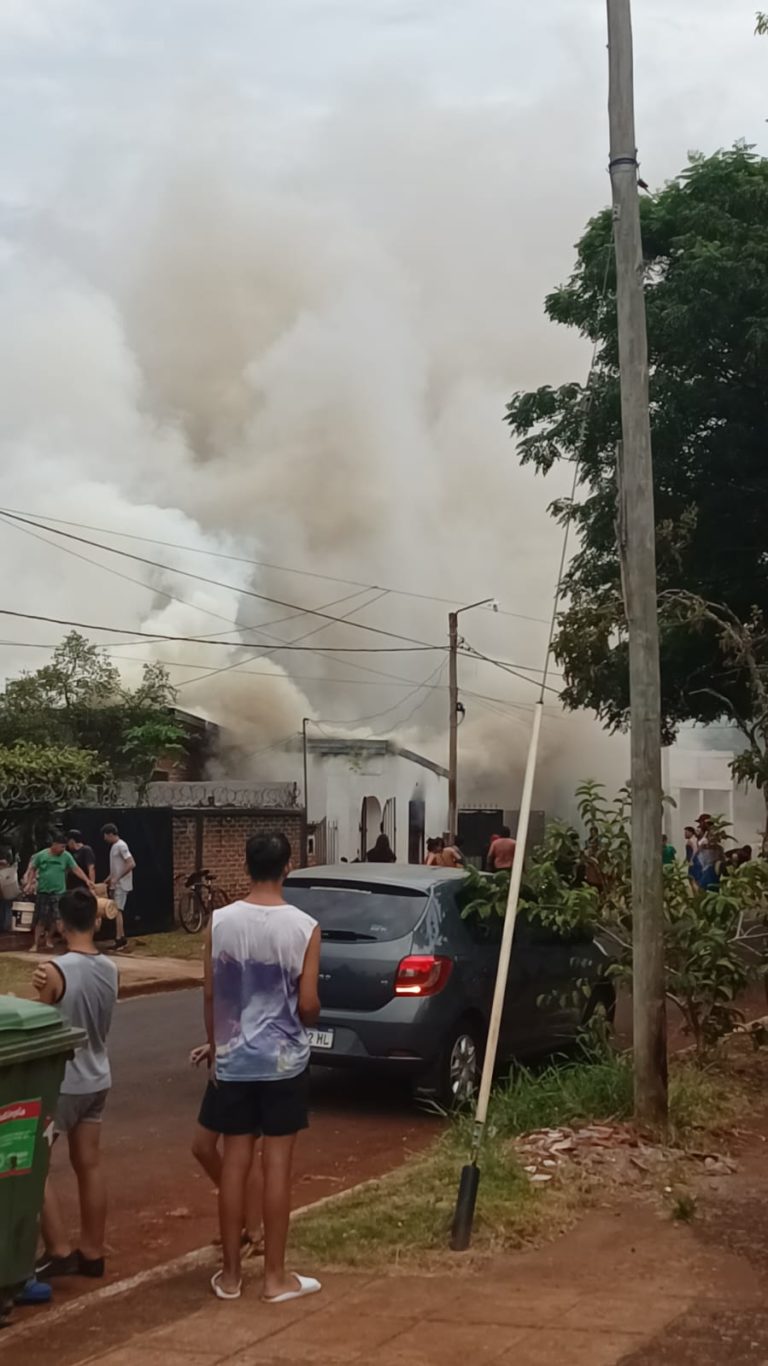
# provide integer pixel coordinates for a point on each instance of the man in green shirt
(47, 877)
(668, 851)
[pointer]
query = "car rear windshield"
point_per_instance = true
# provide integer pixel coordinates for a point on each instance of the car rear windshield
(358, 913)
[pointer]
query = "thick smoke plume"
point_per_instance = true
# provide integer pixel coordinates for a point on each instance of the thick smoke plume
(304, 361)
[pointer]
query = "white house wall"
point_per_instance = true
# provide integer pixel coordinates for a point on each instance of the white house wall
(339, 783)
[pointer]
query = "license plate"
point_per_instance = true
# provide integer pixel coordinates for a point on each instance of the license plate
(321, 1038)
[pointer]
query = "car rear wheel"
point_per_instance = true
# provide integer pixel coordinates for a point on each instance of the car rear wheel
(454, 1080)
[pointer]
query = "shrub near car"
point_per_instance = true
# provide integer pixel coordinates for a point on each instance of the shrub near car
(406, 982)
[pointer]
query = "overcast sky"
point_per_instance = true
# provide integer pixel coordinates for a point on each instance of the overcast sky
(104, 80)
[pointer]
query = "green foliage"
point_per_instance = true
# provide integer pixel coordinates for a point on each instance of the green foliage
(39, 778)
(705, 240)
(158, 735)
(581, 884)
(684, 1207)
(570, 1094)
(761, 24)
(408, 1213)
(601, 1088)
(78, 700)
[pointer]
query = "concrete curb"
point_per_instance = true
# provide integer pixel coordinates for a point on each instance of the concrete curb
(129, 990)
(189, 1261)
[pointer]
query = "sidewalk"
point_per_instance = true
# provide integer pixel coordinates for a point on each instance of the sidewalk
(628, 1286)
(139, 976)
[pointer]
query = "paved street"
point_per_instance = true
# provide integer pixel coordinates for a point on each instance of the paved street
(161, 1206)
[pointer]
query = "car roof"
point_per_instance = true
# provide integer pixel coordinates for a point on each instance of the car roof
(416, 876)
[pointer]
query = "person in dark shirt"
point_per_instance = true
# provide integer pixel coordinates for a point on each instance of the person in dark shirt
(382, 851)
(83, 855)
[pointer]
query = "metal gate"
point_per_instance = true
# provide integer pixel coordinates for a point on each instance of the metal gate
(148, 832)
(416, 822)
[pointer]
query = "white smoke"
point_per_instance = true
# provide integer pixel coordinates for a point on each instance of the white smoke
(294, 344)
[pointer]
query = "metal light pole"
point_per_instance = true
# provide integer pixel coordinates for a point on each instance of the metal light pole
(304, 723)
(453, 708)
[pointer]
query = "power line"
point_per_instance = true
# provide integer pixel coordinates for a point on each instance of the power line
(502, 664)
(260, 564)
(265, 654)
(228, 644)
(194, 607)
(508, 668)
(383, 680)
(361, 720)
(215, 583)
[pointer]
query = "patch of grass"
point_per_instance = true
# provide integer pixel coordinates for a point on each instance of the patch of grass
(684, 1208)
(602, 1090)
(571, 1093)
(174, 944)
(702, 1098)
(16, 975)
(408, 1214)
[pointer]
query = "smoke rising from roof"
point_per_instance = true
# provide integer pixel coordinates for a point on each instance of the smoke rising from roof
(292, 338)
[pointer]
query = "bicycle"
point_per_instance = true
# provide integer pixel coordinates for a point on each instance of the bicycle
(199, 898)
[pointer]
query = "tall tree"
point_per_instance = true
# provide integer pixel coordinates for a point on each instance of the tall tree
(705, 239)
(37, 781)
(78, 700)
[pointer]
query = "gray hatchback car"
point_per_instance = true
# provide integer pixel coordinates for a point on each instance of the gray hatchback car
(406, 982)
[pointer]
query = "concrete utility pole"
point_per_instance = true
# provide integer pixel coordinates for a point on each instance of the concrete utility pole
(455, 708)
(638, 553)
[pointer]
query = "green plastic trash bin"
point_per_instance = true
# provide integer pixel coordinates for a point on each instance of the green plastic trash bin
(35, 1042)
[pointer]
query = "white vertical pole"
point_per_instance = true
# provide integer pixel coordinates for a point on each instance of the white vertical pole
(505, 953)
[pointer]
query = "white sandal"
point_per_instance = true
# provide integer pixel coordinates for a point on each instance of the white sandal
(307, 1285)
(219, 1291)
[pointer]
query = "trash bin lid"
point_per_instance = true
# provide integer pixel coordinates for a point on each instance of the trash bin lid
(29, 1029)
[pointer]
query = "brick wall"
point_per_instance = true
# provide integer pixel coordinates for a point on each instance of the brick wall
(216, 840)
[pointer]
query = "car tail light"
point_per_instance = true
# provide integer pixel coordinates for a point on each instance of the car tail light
(422, 975)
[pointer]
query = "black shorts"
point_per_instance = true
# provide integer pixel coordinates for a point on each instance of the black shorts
(275, 1109)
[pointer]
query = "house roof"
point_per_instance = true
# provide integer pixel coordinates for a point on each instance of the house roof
(336, 745)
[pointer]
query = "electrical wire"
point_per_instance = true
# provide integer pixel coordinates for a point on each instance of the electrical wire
(361, 720)
(171, 597)
(265, 654)
(383, 681)
(228, 644)
(214, 583)
(507, 668)
(261, 564)
(22, 524)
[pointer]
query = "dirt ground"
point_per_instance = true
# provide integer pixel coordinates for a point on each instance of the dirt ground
(628, 1286)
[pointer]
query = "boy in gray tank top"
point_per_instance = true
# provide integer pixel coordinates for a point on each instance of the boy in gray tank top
(83, 984)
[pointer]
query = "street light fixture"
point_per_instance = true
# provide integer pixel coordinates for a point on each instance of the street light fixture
(453, 704)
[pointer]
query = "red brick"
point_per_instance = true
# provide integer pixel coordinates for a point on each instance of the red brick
(224, 836)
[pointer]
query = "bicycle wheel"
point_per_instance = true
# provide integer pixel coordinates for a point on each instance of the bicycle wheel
(218, 898)
(191, 913)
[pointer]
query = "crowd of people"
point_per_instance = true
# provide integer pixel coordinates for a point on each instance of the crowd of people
(706, 858)
(63, 864)
(262, 963)
(443, 852)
